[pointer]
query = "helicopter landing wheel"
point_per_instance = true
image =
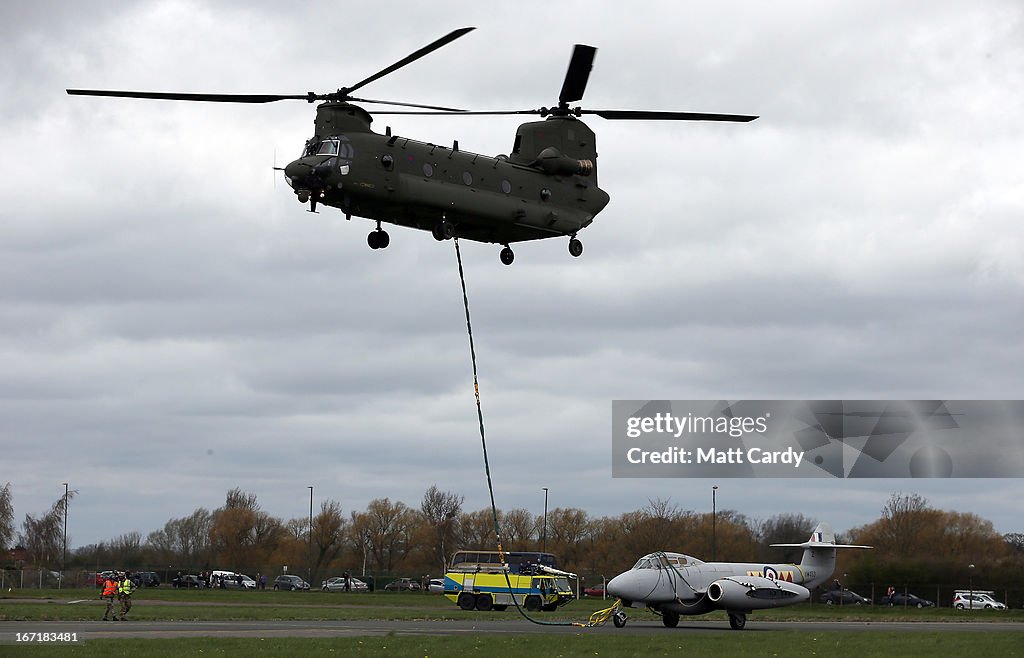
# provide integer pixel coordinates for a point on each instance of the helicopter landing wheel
(378, 239)
(507, 255)
(575, 248)
(446, 230)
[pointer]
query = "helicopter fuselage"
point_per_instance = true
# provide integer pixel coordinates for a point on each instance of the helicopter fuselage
(397, 180)
(545, 187)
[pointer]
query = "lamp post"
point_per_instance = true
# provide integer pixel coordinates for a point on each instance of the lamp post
(64, 561)
(714, 522)
(310, 537)
(544, 535)
(970, 571)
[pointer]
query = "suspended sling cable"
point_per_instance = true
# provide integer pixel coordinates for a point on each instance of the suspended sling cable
(487, 466)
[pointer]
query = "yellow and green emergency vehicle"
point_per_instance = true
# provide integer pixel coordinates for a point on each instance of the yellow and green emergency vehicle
(481, 580)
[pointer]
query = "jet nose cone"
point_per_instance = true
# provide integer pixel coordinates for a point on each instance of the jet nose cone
(620, 586)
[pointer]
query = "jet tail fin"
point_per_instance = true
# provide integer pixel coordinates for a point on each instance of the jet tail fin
(819, 556)
(822, 537)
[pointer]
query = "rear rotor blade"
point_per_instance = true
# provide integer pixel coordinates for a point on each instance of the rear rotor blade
(644, 115)
(425, 50)
(212, 98)
(578, 73)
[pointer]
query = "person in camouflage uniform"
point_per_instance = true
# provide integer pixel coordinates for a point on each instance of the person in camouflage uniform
(124, 592)
(110, 587)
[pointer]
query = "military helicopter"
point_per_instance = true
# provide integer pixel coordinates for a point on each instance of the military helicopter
(546, 187)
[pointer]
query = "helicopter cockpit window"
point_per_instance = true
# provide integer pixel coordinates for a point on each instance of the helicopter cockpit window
(328, 147)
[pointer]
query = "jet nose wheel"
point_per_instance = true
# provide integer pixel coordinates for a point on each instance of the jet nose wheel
(507, 256)
(619, 619)
(378, 239)
(575, 248)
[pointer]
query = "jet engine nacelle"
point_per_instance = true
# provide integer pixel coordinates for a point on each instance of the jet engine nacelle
(755, 592)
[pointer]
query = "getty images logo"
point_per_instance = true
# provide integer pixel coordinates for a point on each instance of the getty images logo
(676, 426)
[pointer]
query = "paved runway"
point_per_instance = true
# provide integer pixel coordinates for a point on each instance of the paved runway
(87, 630)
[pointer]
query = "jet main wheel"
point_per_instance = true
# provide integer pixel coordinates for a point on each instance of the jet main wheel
(575, 248)
(378, 239)
(670, 618)
(619, 619)
(737, 621)
(507, 256)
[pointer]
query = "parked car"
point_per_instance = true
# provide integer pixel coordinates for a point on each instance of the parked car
(188, 582)
(101, 577)
(337, 584)
(976, 601)
(595, 590)
(402, 585)
(844, 597)
(146, 579)
(238, 581)
(436, 586)
(290, 583)
(908, 600)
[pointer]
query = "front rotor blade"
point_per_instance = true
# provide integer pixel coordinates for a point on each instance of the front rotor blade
(464, 113)
(212, 98)
(425, 50)
(579, 72)
(645, 115)
(453, 110)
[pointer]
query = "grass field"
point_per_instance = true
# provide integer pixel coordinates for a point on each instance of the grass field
(728, 643)
(214, 605)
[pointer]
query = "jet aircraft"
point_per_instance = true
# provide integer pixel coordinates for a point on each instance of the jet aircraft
(673, 584)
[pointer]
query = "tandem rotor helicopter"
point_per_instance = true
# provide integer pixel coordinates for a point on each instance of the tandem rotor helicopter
(546, 187)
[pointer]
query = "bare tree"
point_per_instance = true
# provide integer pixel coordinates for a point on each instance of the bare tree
(6, 517)
(785, 529)
(387, 526)
(126, 549)
(518, 527)
(904, 518)
(241, 534)
(477, 529)
(328, 534)
(43, 537)
(441, 510)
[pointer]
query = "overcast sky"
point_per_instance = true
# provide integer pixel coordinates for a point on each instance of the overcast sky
(174, 324)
